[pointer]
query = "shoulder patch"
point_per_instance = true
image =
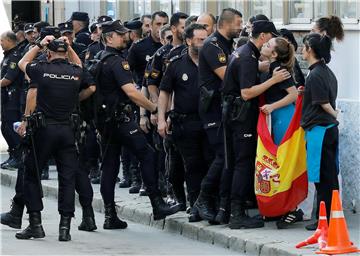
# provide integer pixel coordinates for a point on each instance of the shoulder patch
(154, 73)
(125, 65)
(12, 65)
(222, 57)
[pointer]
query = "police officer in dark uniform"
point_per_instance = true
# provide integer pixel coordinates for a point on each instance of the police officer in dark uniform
(181, 77)
(30, 37)
(54, 100)
(11, 84)
(241, 90)
(20, 31)
(80, 21)
(117, 87)
(66, 29)
(212, 64)
(96, 46)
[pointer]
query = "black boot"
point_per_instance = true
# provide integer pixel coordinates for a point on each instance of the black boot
(88, 220)
(193, 211)
(162, 209)
(205, 205)
(34, 230)
(126, 179)
(97, 179)
(14, 160)
(136, 181)
(64, 228)
(13, 217)
(142, 191)
(111, 219)
(223, 214)
(239, 219)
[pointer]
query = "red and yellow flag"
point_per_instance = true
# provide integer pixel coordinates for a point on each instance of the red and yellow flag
(280, 175)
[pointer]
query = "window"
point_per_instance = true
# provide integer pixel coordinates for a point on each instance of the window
(111, 9)
(348, 11)
(142, 7)
(165, 5)
(260, 7)
(277, 11)
(320, 9)
(301, 11)
(196, 7)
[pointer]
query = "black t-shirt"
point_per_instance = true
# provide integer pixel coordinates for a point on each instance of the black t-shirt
(181, 77)
(115, 73)
(139, 54)
(277, 91)
(242, 71)
(58, 84)
(320, 88)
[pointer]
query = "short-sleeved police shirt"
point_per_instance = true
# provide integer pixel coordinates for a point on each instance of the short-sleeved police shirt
(213, 55)
(115, 73)
(242, 71)
(139, 54)
(58, 84)
(277, 91)
(320, 88)
(181, 77)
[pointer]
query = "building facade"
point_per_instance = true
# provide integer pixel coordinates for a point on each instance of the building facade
(295, 15)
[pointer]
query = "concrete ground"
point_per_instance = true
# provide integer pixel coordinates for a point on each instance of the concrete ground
(264, 241)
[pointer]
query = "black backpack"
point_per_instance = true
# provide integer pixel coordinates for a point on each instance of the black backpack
(94, 67)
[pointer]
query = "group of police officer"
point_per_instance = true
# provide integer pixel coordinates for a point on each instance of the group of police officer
(173, 102)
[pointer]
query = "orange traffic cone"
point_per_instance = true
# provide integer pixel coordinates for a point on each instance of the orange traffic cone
(320, 235)
(338, 237)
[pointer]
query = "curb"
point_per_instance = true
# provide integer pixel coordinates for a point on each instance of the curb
(253, 242)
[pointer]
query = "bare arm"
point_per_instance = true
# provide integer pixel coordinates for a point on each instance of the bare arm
(220, 72)
(256, 90)
(138, 98)
(163, 107)
(154, 93)
(329, 109)
(86, 93)
(5, 82)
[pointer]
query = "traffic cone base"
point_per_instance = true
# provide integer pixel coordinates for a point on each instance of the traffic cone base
(338, 234)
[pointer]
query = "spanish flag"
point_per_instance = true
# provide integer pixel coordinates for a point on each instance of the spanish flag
(280, 175)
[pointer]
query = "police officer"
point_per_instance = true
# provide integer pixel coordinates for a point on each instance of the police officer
(11, 83)
(38, 26)
(212, 64)
(135, 32)
(117, 87)
(181, 78)
(66, 29)
(241, 90)
(30, 37)
(20, 37)
(54, 100)
(80, 21)
(96, 46)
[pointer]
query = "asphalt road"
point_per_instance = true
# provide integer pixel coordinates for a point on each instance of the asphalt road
(135, 240)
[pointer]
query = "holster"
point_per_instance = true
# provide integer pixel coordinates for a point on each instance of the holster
(240, 109)
(123, 113)
(206, 97)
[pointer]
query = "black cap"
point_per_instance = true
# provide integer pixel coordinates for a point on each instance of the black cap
(29, 27)
(57, 45)
(50, 31)
(65, 27)
(133, 24)
(103, 19)
(93, 27)
(114, 26)
(82, 16)
(264, 26)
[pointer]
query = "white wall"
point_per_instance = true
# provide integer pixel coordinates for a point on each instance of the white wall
(345, 63)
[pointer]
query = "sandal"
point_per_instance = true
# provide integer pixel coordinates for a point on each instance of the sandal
(290, 218)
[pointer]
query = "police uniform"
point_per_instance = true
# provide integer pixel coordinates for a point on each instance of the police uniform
(10, 104)
(213, 55)
(139, 54)
(79, 48)
(58, 85)
(121, 129)
(181, 78)
(82, 36)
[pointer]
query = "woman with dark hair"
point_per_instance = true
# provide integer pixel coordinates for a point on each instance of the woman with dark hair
(319, 119)
(298, 74)
(330, 26)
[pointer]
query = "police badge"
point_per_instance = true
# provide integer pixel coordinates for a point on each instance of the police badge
(222, 58)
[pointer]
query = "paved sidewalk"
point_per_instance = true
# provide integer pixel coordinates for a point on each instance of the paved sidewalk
(263, 241)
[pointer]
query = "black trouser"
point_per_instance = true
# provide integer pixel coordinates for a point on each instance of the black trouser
(242, 150)
(190, 139)
(55, 140)
(91, 147)
(175, 170)
(328, 169)
(114, 135)
(10, 113)
(19, 187)
(211, 182)
(128, 160)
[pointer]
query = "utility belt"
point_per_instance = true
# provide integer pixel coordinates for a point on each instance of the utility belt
(123, 113)
(38, 120)
(235, 109)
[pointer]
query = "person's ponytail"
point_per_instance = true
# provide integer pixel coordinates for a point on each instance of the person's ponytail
(333, 27)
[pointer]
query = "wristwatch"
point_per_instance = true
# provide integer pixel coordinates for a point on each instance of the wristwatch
(38, 43)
